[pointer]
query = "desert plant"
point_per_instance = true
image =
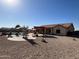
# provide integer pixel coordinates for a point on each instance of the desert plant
(9, 34)
(17, 34)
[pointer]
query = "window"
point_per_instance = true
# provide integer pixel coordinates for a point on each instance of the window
(57, 31)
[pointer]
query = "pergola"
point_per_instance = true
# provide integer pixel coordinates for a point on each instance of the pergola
(43, 28)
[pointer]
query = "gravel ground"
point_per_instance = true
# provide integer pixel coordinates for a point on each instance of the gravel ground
(57, 47)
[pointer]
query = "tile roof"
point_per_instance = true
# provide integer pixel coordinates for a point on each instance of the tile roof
(65, 25)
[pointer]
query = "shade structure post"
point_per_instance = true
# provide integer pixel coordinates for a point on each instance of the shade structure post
(51, 31)
(44, 31)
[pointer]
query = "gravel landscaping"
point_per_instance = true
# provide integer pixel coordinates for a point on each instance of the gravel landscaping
(57, 47)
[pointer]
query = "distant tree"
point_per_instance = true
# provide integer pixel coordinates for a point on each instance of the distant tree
(17, 29)
(25, 30)
(17, 26)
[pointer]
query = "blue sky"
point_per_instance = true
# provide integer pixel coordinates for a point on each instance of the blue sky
(40, 12)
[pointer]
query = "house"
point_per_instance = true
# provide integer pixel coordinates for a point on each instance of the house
(57, 29)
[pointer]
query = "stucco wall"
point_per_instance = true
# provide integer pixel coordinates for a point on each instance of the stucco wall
(62, 30)
(71, 29)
